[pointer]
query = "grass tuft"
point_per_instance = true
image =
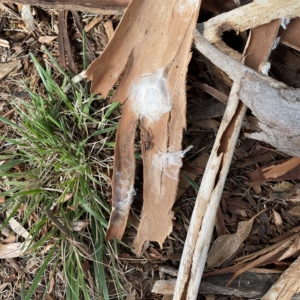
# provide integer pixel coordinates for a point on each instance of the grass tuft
(56, 160)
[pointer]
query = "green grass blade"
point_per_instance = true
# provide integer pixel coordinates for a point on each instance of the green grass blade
(39, 274)
(191, 182)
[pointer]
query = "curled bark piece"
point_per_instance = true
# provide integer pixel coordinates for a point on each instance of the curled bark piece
(123, 177)
(272, 102)
(290, 35)
(248, 16)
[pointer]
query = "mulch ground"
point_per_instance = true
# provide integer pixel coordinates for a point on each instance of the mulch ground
(242, 197)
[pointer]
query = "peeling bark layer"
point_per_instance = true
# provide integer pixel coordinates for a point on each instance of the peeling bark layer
(152, 44)
(276, 105)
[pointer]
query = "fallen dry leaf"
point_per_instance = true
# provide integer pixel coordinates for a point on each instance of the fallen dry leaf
(283, 186)
(46, 39)
(67, 197)
(9, 240)
(18, 228)
(277, 218)
(3, 286)
(108, 25)
(13, 250)
(293, 212)
(225, 246)
(79, 225)
(164, 287)
(132, 295)
(52, 282)
(199, 162)
(6, 68)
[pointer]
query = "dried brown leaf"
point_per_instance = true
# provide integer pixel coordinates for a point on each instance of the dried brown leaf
(67, 197)
(47, 39)
(13, 250)
(18, 228)
(3, 286)
(259, 175)
(7, 68)
(164, 287)
(109, 29)
(52, 282)
(293, 212)
(225, 246)
(283, 186)
(277, 218)
(79, 225)
(200, 162)
(132, 295)
(287, 239)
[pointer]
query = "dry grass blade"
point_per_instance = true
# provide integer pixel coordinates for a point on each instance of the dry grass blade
(66, 232)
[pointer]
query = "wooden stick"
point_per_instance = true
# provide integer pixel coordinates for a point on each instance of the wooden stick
(105, 7)
(197, 243)
(204, 214)
(248, 16)
(252, 284)
(287, 285)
